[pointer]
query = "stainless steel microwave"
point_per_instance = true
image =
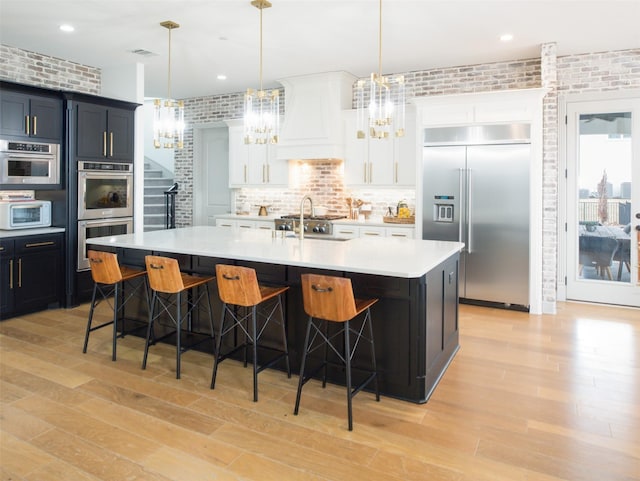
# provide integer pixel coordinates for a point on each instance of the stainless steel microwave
(29, 163)
(25, 214)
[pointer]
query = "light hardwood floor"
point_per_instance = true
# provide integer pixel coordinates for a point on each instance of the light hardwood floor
(527, 397)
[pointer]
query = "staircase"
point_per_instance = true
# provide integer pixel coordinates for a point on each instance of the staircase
(156, 182)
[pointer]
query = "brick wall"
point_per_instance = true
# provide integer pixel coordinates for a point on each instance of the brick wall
(30, 68)
(549, 78)
(599, 72)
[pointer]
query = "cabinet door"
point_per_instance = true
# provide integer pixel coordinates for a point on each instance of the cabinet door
(381, 161)
(238, 158)
(46, 118)
(356, 152)
(277, 169)
(6, 278)
(258, 164)
(91, 121)
(120, 134)
(40, 271)
(14, 110)
(406, 154)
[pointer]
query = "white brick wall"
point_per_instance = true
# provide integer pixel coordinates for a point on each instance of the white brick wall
(22, 66)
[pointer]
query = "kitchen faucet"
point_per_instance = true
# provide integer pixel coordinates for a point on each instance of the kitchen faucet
(302, 214)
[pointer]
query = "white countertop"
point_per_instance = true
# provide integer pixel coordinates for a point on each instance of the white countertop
(395, 257)
(7, 234)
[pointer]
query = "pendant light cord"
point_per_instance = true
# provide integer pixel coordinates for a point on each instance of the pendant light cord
(169, 71)
(261, 8)
(380, 41)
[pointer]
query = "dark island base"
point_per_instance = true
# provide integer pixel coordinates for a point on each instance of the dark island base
(415, 322)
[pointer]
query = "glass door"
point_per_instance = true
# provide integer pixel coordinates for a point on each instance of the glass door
(603, 201)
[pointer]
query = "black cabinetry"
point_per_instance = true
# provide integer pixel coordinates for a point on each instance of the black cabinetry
(28, 116)
(104, 133)
(31, 273)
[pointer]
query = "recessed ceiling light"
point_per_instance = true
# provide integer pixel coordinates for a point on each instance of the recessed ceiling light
(67, 28)
(507, 37)
(221, 77)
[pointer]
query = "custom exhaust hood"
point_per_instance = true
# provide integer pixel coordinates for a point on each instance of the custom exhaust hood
(312, 127)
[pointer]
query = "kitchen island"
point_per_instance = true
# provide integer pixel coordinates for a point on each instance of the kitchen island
(415, 322)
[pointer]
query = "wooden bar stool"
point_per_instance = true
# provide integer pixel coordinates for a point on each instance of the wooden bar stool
(330, 299)
(241, 296)
(109, 278)
(165, 278)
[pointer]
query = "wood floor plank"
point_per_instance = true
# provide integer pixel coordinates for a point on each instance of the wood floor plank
(92, 459)
(107, 436)
(183, 417)
(159, 430)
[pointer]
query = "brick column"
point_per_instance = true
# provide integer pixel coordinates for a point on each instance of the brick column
(550, 176)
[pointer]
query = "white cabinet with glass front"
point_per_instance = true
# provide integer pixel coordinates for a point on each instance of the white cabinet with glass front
(253, 165)
(382, 162)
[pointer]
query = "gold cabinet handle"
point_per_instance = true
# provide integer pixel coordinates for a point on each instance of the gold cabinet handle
(370, 172)
(27, 124)
(40, 244)
(110, 144)
(264, 177)
(11, 274)
(395, 172)
(19, 273)
(245, 173)
(268, 174)
(364, 177)
(104, 143)
(35, 125)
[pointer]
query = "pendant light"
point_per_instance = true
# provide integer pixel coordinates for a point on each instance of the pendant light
(385, 112)
(168, 114)
(261, 108)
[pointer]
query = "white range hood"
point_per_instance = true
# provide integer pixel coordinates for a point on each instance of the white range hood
(312, 127)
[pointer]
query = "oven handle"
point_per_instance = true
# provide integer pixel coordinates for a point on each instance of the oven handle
(30, 157)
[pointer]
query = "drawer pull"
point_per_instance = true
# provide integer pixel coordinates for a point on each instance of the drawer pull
(11, 274)
(40, 244)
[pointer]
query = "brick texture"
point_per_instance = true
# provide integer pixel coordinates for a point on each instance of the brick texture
(22, 66)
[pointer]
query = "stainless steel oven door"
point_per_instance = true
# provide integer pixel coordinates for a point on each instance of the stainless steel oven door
(88, 229)
(104, 194)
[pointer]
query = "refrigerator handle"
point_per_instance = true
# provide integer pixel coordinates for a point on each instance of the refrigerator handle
(469, 220)
(460, 181)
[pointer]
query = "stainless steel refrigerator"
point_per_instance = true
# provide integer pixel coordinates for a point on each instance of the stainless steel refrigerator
(476, 191)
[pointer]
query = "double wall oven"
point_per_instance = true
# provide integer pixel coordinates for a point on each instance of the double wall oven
(105, 203)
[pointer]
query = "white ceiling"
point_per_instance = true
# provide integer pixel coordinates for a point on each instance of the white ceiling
(309, 36)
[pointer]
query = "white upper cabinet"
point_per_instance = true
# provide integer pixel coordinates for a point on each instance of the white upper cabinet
(253, 165)
(381, 162)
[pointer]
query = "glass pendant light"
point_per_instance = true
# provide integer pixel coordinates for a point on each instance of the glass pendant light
(261, 108)
(384, 114)
(168, 114)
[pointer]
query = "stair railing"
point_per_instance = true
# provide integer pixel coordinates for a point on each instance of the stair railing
(170, 206)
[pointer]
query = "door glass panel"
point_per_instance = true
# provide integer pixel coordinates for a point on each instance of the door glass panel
(604, 197)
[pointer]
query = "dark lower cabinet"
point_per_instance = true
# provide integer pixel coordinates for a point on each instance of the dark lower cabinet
(32, 273)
